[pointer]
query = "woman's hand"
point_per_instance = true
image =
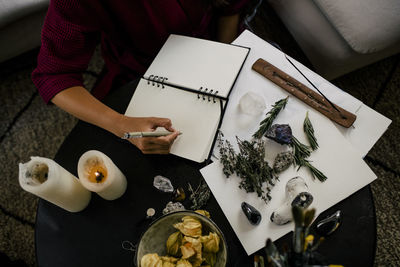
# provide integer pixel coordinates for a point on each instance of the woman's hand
(149, 145)
(80, 103)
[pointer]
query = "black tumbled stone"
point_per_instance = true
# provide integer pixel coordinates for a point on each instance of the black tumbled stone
(253, 215)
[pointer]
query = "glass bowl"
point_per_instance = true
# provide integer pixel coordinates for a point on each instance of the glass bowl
(154, 239)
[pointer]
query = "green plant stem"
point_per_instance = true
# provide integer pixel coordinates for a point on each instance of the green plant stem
(314, 171)
(271, 115)
(309, 131)
(301, 151)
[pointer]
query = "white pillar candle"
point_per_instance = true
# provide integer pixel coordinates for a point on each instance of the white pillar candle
(46, 179)
(99, 174)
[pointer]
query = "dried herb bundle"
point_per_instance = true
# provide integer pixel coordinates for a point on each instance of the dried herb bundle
(271, 115)
(249, 165)
(200, 196)
(227, 154)
(309, 131)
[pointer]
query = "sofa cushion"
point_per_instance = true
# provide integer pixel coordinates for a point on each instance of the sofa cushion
(13, 10)
(366, 25)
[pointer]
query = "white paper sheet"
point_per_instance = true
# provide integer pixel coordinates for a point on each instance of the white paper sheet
(336, 158)
(369, 126)
(339, 157)
(194, 63)
(195, 118)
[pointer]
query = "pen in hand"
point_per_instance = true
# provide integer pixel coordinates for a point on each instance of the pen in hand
(146, 134)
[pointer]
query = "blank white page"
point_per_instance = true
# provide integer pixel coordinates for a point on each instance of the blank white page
(196, 118)
(194, 63)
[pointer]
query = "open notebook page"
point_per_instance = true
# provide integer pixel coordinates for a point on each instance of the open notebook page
(194, 63)
(196, 118)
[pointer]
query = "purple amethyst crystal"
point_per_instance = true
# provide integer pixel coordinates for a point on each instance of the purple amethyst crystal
(280, 133)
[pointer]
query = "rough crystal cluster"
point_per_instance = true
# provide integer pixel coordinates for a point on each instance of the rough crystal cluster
(252, 104)
(163, 184)
(282, 161)
(173, 206)
(280, 133)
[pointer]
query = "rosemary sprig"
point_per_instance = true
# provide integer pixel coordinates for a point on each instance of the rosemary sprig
(271, 115)
(300, 150)
(314, 171)
(301, 153)
(309, 131)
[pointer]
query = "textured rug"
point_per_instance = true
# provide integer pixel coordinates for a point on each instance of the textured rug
(28, 127)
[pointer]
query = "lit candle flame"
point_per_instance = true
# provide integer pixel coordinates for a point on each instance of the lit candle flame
(99, 176)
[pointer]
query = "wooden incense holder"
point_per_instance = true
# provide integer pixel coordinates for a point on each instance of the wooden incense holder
(304, 93)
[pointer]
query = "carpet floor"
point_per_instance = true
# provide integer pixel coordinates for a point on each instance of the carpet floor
(28, 127)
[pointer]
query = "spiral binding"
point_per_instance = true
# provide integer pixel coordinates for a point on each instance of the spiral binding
(157, 80)
(203, 92)
(207, 94)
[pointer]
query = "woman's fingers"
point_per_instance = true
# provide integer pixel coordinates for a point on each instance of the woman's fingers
(162, 122)
(156, 145)
(151, 145)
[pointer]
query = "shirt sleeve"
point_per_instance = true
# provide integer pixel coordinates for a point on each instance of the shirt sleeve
(64, 54)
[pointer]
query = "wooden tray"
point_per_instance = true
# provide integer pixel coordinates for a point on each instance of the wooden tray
(304, 93)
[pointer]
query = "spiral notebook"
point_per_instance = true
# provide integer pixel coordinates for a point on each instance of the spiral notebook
(189, 82)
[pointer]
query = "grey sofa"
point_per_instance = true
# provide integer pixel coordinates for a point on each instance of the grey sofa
(339, 36)
(20, 26)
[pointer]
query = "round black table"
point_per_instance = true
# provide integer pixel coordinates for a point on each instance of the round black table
(94, 236)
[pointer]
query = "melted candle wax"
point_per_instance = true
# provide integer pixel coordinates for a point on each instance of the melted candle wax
(99, 174)
(46, 179)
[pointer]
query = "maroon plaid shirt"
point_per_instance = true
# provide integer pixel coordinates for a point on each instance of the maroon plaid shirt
(131, 33)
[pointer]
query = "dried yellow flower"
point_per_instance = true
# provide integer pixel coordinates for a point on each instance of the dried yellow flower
(210, 258)
(151, 260)
(173, 243)
(187, 251)
(193, 249)
(196, 262)
(183, 263)
(168, 264)
(203, 212)
(189, 227)
(196, 245)
(169, 259)
(210, 242)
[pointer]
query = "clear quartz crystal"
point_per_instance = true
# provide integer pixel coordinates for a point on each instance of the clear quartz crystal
(252, 104)
(163, 184)
(173, 206)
